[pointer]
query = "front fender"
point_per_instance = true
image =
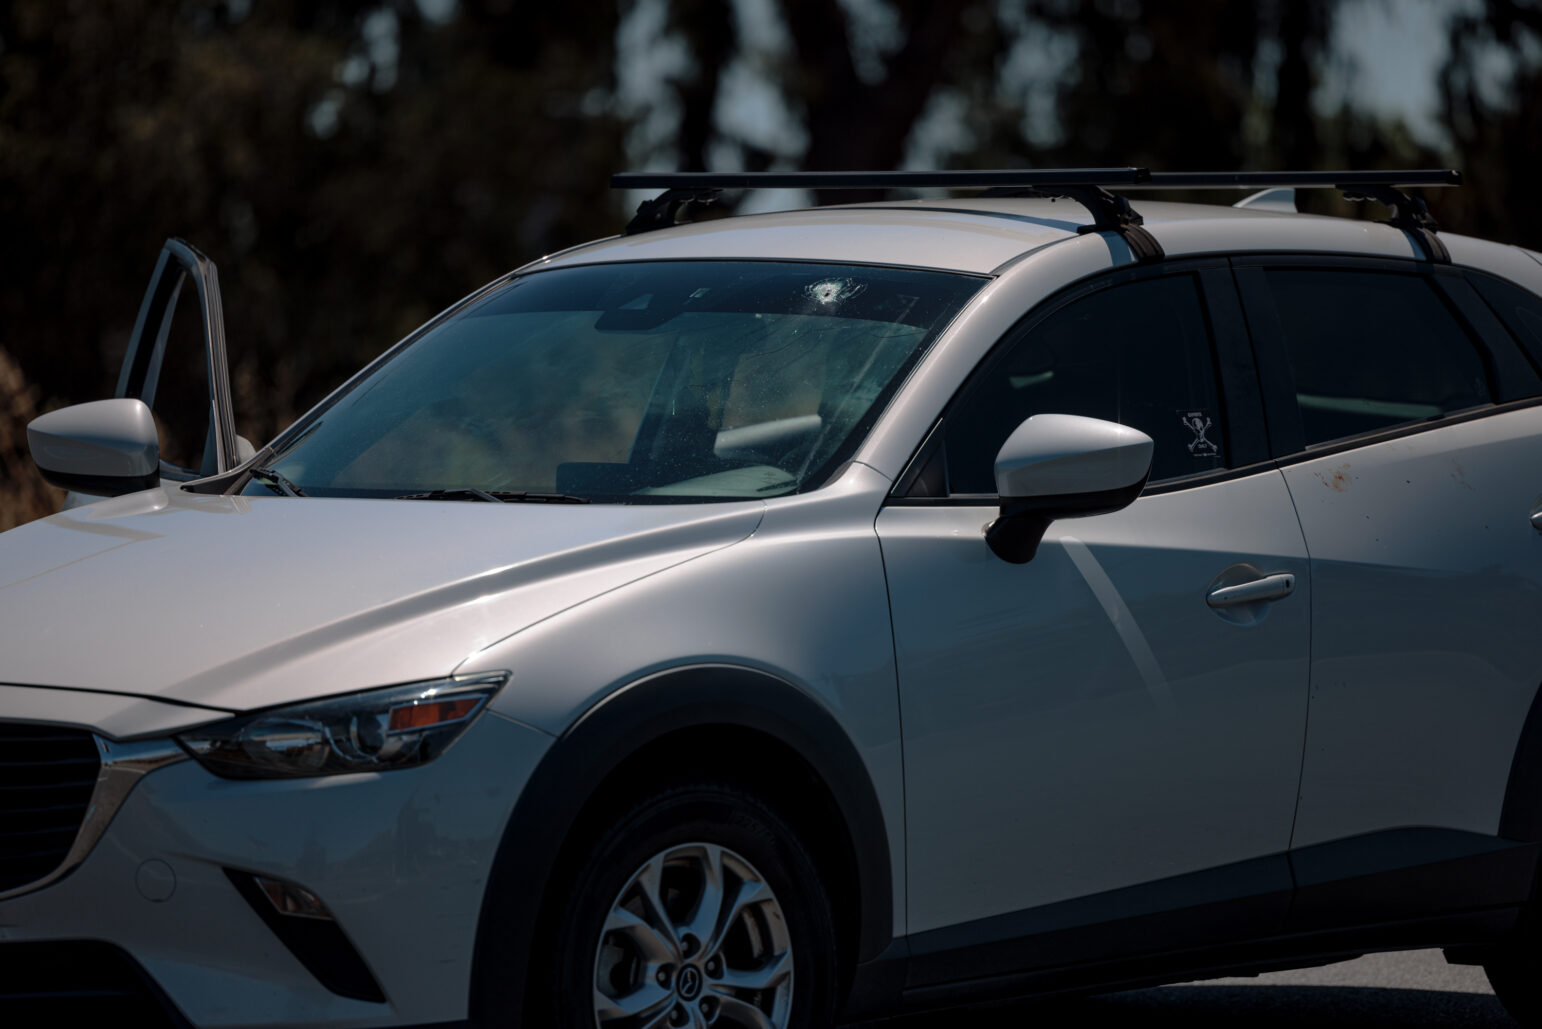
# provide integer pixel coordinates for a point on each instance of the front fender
(617, 727)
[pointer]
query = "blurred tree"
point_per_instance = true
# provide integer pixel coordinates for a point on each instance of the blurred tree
(856, 121)
(352, 166)
(1491, 91)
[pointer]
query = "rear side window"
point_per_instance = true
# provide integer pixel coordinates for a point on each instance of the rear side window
(1519, 309)
(1371, 350)
(1138, 354)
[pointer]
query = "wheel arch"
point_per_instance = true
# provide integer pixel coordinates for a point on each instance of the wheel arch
(1521, 816)
(605, 749)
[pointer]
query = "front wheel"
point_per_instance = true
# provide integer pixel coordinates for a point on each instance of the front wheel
(699, 907)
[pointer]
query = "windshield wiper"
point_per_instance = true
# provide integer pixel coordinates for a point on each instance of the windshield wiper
(275, 481)
(496, 496)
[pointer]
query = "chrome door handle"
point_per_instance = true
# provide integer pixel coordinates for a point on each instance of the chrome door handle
(1536, 519)
(1270, 587)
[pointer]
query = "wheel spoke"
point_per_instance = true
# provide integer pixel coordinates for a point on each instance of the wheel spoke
(648, 884)
(743, 1013)
(654, 946)
(746, 894)
(708, 914)
(765, 977)
(660, 1020)
(647, 1001)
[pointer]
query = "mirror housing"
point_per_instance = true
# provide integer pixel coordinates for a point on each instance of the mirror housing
(1063, 466)
(105, 448)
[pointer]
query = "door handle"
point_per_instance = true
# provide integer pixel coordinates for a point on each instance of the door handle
(1536, 518)
(1270, 587)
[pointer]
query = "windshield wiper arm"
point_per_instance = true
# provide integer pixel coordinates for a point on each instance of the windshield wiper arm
(496, 496)
(275, 481)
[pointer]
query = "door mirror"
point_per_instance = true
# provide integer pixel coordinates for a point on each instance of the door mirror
(1063, 466)
(104, 448)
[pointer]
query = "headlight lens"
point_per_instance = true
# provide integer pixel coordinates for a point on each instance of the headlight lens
(397, 727)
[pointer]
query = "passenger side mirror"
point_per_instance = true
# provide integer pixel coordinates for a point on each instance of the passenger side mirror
(104, 448)
(1063, 466)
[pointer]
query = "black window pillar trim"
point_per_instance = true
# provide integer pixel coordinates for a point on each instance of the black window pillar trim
(1236, 373)
(1275, 377)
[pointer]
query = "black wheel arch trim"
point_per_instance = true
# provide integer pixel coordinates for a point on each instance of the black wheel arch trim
(618, 726)
(1521, 816)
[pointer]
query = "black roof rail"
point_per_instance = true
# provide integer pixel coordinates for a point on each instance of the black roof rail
(1086, 186)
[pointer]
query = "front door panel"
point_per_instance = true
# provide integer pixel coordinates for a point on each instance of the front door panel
(1087, 721)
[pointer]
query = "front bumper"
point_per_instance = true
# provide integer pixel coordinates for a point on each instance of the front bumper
(400, 858)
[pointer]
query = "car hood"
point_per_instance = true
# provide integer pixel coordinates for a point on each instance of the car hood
(235, 603)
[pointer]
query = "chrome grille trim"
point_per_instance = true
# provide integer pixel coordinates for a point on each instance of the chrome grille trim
(121, 767)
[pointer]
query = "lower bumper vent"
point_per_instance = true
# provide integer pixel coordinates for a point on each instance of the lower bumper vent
(82, 983)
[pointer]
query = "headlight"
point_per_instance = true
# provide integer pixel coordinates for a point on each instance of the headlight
(376, 731)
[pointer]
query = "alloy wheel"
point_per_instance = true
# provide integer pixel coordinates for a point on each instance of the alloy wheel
(695, 938)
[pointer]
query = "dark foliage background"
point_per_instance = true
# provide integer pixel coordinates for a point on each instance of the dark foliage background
(353, 166)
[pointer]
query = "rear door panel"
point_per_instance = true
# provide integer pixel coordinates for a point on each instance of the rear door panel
(1427, 598)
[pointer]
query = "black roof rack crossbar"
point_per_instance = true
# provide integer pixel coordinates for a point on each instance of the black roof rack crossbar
(1300, 179)
(1022, 177)
(1085, 186)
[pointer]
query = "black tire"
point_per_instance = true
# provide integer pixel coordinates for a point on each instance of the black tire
(665, 832)
(1515, 972)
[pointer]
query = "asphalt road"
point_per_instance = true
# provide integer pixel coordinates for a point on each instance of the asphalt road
(1380, 991)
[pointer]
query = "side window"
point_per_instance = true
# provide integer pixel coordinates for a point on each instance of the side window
(1519, 309)
(1139, 354)
(1371, 350)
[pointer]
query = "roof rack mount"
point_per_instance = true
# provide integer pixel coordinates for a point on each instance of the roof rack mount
(1409, 213)
(1086, 186)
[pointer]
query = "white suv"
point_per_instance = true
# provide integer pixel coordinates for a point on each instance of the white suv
(804, 617)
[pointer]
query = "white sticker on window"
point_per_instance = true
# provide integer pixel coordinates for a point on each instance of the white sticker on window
(1200, 423)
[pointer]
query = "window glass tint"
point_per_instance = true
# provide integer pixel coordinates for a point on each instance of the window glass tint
(648, 382)
(1371, 350)
(1519, 309)
(1138, 354)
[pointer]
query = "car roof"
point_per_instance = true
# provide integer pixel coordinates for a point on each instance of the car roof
(979, 235)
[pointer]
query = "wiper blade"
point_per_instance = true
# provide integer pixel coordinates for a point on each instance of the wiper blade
(275, 481)
(496, 496)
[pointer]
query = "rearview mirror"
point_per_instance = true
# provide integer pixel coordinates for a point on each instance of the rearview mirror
(105, 448)
(1063, 466)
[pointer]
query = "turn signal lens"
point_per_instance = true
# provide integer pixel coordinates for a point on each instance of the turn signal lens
(423, 714)
(377, 731)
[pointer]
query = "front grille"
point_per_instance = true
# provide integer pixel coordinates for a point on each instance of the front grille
(47, 774)
(79, 982)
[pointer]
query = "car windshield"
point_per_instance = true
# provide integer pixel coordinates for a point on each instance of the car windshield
(644, 382)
